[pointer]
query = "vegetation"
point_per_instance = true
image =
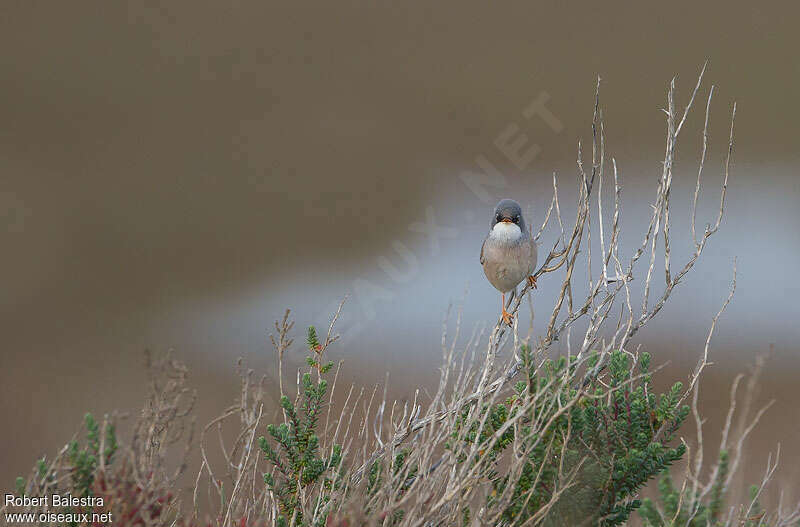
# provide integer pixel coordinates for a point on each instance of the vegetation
(607, 442)
(561, 449)
(554, 436)
(299, 464)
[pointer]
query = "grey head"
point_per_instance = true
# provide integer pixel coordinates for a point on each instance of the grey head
(508, 211)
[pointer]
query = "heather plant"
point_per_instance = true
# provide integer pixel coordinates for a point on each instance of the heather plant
(85, 460)
(671, 509)
(676, 506)
(607, 442)
(707, 501)
(297, 460)
(129, 481)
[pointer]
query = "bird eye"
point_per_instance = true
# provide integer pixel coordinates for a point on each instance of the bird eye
(516, 219)
(499, 217)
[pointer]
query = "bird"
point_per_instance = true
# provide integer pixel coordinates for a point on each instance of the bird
(508, 254)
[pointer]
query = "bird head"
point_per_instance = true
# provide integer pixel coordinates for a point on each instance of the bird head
(508, 211)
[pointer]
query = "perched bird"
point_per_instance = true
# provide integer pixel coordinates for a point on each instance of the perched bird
(508, 254)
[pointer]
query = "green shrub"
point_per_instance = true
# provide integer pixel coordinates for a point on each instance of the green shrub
(297, 459)
(607, 443)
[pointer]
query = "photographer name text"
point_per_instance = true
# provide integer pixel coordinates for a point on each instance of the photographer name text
(72, 515)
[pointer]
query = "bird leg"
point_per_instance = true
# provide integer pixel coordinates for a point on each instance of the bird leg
(505, 315)
(532, 281)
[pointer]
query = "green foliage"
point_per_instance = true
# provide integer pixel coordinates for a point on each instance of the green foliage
(85, 460)
(312, 340)
(756, 511)
(608, 445)
(83, 463)
(678, 508)
(317, 350)
(296, 458)
(20, 485)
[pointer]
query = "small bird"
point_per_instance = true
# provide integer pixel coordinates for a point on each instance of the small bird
(508, 254)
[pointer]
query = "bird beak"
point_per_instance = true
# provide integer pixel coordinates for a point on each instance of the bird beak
(506, 220)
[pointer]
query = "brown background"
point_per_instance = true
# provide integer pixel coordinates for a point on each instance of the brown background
(177, 175)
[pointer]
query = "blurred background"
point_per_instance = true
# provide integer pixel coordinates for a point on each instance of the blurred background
(176, 175)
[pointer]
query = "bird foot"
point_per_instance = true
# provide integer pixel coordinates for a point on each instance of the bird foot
(532, 281)
(507, 317)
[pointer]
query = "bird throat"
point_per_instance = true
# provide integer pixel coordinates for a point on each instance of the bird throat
(506, 233)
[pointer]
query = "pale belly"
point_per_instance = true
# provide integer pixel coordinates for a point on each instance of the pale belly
(506, 266)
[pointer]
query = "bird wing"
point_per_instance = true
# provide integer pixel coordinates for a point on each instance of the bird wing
(482, 246)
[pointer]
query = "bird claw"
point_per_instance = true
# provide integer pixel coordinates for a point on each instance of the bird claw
(507, 317)
(532, 281)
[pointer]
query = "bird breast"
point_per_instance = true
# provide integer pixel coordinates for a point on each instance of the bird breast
(509, 256)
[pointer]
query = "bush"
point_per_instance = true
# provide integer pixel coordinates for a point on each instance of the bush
(299, 463)
(134, 487)
(606, 442)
